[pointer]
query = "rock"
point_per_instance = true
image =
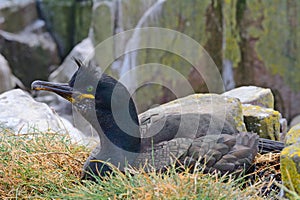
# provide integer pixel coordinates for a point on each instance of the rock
(6, 77)
(34, 53)
(16, 15)
(290, 168)
(223, 109)
(258, 119)
(61, 106)
(263, 121)
(293, 135)
(83, 51)
(64, 109)
(21, 114)
(24, 41)
(68, 21)
(290, 160)
(253, 95)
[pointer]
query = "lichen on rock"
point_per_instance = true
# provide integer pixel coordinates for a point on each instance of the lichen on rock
(290, 168)
(263, 121)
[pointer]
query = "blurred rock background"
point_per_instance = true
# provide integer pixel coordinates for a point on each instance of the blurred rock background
(252, 43)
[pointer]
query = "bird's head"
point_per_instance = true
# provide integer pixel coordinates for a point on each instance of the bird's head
(89, 90)
(104, 102)
(80, 90)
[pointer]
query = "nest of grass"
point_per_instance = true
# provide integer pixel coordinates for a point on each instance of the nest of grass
(48, 165)
(267, 173)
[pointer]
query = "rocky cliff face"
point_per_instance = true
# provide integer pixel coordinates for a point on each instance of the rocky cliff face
(251, 42)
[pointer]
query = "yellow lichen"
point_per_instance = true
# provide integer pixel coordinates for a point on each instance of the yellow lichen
(290, 173)
(264, 121)
(293, 135)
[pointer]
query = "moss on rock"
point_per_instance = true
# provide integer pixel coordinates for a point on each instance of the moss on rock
(67, 20)
(293, 135)
(263, 121)
(290, 168)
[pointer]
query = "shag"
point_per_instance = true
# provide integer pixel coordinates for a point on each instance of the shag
(108, 106)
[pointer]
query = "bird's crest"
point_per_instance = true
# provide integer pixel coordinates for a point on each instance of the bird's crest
(78, 62)
(86, 73)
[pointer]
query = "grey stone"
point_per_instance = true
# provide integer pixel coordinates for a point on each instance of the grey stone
(259, 116)
(223, 109)
(29, 54)
(22, 114)
(253, 95)
(263, 121)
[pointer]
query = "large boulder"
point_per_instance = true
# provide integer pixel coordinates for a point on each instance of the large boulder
(35, 53)
(223, 111)
(24, 42)
(16, 15)
(22, 114)
(264, 46)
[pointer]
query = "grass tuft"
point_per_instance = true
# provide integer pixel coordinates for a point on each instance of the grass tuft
(38, 164)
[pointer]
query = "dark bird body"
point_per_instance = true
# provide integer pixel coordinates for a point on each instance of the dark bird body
(126, 140)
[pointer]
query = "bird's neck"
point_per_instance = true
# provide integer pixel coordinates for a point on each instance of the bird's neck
(120, 130)
(119, 136)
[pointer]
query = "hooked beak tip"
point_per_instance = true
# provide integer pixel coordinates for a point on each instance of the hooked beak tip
(36, 85)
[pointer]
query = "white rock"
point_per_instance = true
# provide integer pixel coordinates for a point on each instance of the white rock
(6, 77)
(253, 95)
(22, 114)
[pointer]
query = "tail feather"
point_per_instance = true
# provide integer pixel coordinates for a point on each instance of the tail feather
(266, 146)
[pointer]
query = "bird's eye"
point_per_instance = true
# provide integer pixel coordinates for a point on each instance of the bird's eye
(89, 88)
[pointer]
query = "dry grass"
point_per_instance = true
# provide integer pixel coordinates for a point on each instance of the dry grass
(35, 164)
(48, 166)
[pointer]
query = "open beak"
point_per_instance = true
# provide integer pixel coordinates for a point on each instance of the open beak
(62, 89)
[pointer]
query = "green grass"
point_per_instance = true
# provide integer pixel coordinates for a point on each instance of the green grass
(48, 166)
